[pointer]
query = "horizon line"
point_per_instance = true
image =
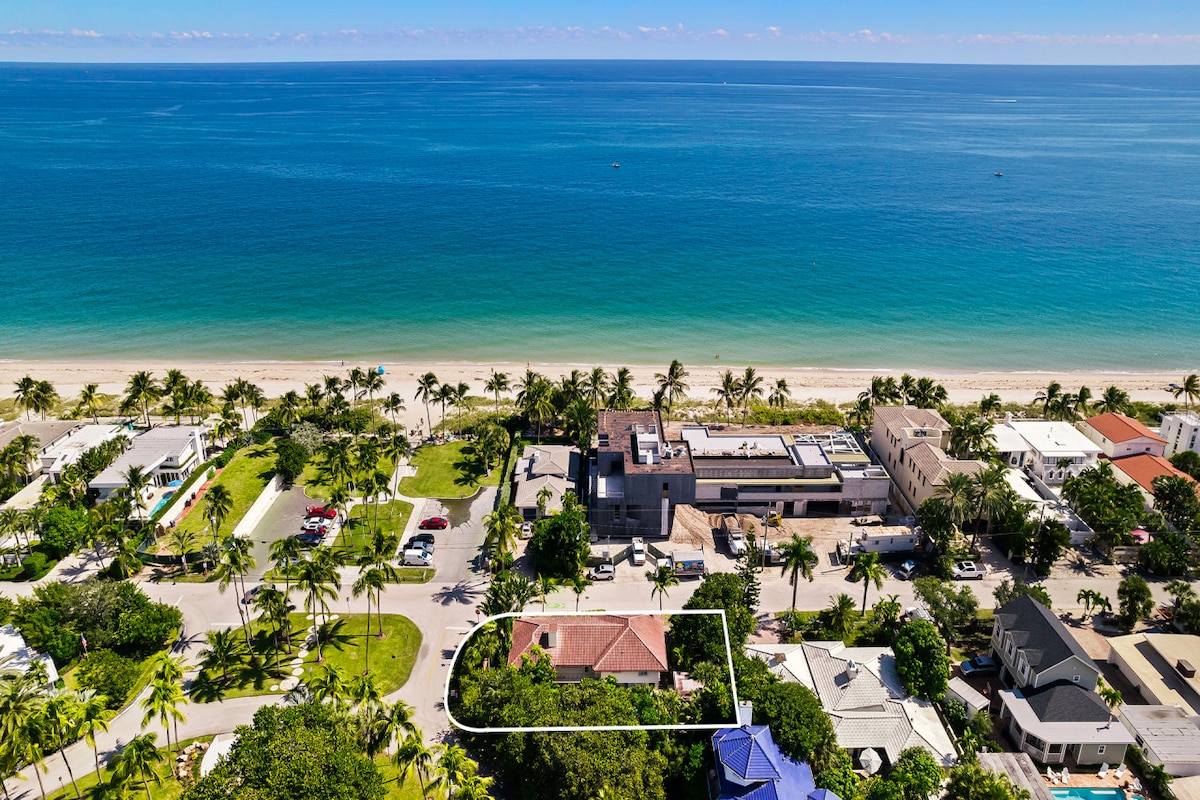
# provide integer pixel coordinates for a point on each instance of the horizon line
(597, 59)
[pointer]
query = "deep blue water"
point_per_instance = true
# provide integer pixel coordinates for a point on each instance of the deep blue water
(791, 214)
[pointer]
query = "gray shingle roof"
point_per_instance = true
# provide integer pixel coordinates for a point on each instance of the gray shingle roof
(1040, 634)
(1066, 702)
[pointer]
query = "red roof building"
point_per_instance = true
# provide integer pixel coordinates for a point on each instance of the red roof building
(1143, 469)
(630, 647)
(1120, 436)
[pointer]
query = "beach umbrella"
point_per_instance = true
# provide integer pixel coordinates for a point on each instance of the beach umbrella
(870, 761)
(379, 369)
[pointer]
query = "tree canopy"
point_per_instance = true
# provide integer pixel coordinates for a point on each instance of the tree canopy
(560, 542)
(310, 750)
(921, 660)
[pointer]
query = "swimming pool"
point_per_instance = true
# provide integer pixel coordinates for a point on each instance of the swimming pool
(1081, 793)
(161, 503)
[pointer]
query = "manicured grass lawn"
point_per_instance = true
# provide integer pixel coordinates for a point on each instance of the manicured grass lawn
(245, 477)
(411, 790)
(357, 536)
(392, 657)
(447, 470)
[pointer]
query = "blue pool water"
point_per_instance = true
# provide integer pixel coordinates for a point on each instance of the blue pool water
(161, 503)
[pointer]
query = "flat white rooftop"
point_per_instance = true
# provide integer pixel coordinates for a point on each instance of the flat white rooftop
(68, 449)
(704, 443)
(147, 451)
(1053, 438)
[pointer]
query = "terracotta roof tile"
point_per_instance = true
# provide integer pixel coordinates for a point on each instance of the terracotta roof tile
(607, 643)
(1144, 468)
(1120, 428)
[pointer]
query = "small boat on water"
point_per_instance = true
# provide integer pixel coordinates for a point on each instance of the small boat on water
(616, 165)
(998, 174)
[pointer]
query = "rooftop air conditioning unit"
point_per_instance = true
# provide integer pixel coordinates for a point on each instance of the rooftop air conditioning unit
(1185, 668)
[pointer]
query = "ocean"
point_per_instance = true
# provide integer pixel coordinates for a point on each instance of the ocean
(792, 214)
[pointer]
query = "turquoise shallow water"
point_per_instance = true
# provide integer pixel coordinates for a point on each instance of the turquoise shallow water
(797, 214)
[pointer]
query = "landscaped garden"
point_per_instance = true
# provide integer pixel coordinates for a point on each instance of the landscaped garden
(447, 471)
(263, 666)
(246, 475)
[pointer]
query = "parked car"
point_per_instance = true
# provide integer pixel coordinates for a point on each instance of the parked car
(526, 530)
(639, 553)
(434, 524)
(417, 558)
(255, 591)
(419, 544)
(908, 570)
(315, 524)
(604, 572)
(979, 665)
(323, 512)
(422, 537)
(968, 570)
(310, 539)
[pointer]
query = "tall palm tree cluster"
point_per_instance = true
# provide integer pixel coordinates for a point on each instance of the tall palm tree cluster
(35, 397)
(742, 392)
(984, 497)
(16, 463)
(37, 722)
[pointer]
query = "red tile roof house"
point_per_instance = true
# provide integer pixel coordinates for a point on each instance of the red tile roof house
(629, 647)
(1120, 436)
(1143, 469)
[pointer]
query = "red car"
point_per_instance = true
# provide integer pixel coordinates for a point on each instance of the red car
(320, 511)
(434, 524)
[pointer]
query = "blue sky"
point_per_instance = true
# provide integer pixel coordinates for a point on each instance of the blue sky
(969, 31)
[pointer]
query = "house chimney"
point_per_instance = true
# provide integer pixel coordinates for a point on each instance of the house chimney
(1185, 668)
(745, 713)
(551, 639)
(851, 670)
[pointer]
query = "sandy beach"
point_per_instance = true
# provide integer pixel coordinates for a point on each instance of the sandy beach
(836, 386)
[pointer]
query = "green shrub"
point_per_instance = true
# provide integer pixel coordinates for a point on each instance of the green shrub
(956, 714)
(108, 674)
(6, 610)
(35, 566)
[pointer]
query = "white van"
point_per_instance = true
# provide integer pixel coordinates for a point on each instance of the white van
(417, 558)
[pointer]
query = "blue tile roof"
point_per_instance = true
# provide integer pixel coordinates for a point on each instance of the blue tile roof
(750, 753)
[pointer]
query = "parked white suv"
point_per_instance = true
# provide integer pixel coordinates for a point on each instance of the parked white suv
(639, 553)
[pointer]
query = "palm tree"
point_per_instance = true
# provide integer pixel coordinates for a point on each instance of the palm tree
(579, 584)
(1181, 592)
(970, 436)
(388, 724)
(594, 386)
(841, 616)
(672, 384)
(89, 399)
(1091, 600)
(1189, 390)
(993, 495)
(94, 716)
(412, 755)
(275, 609)
(318, 579)
(61, 714)
(501, 529)
(285, 554)
(26, 393)
(780, 394)
(1047, 396)
(1113, 401)
(868, 569)
(223, 649)
(140, 757)
(546, 585)
(427, 386)
(751, 390)
(330, 685)
(1082, 400)
(236, 561)
(163, 703)
(218, 502)
(663, 578)
(393, 404)
(142, 390)
(137, 481)
(182, 541)
(373, 382)
(958, 492)
(454, 766)
(798, 560)
(371, 582)
(990, 404)
(727, 391)
(475, 787)
(621, 398)
(496, 383)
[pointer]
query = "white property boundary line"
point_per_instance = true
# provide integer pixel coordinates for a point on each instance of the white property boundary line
(578, 728)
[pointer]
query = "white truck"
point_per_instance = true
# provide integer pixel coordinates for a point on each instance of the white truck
(737, 538)
(638, 556)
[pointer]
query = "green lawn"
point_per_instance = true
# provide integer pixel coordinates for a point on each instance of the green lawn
(168, 789)
(246, 476)
(447, 471)
(410, 790)
(392, 657)
(356, 536)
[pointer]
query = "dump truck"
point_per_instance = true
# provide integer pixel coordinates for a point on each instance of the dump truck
(736, 537)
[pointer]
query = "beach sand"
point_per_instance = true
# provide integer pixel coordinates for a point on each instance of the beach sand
(836, 386)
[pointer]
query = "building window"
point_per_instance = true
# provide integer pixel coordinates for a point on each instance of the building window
(1100, 748)
(1074, 679)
